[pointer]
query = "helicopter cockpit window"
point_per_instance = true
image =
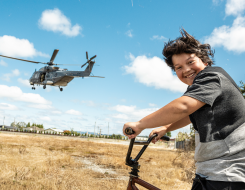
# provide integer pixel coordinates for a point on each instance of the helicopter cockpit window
(36, 75)
(47, 75)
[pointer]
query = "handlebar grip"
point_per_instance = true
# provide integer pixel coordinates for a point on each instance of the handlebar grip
(129, 131)
(165, 138)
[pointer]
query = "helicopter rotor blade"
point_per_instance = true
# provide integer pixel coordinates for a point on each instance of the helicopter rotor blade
(92, 57)
(69, 64)
(95, 76)
(22, 59)
(54, 55)
(87, 55)
(84, 65)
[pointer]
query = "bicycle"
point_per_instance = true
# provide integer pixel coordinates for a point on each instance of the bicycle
(133, 163)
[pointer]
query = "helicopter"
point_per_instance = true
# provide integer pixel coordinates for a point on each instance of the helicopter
(55, 76)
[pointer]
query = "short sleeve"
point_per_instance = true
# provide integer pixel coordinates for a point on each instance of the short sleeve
(205, 88)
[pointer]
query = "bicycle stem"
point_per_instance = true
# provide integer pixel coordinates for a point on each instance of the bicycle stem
(130, 161)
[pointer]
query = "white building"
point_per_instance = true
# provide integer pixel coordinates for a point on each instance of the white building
(141, 138)
(52, 131)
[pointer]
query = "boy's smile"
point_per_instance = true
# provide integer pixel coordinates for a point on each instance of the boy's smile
(187, 66)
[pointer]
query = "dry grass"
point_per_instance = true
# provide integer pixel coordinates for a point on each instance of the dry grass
(37, 162)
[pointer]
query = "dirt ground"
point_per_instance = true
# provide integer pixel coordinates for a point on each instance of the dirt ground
(33, 161)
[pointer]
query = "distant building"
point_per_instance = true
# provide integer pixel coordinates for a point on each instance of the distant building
(141, 138)
(33, 128)
(52, 131)
(8, 127)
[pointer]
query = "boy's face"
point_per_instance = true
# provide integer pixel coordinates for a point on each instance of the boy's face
(187, 66)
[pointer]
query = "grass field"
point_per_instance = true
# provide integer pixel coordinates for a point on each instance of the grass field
(49, 162)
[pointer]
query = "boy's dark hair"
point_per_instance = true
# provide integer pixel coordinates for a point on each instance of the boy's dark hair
(187, 44)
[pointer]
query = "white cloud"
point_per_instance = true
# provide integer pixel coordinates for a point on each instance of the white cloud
(131, 113)
(152, 105)
(45, 118)
(73, 112)
(40, 106)
(5, 106)
(12, 46)
(129, 33)
(3, 63)
(124, 109)
(89, 103)
(24, 82)
(216, 2)
(16, 72)
(154, 72)
(156, 37)
(14, 93)
(232, 38)
(54, 20)
(234, 7)
(7, 76)
(56, 112)
(120, 116)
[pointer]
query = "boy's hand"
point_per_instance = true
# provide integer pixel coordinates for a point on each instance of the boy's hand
(135, 127)
(160, 132)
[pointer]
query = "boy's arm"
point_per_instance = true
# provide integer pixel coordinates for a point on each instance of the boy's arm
(171, 113)
(171, 127)
(179, 124)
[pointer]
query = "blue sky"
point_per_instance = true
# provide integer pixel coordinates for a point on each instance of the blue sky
(127, 36)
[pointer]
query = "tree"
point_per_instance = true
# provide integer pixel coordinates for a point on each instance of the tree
(168, 134)
(28, 124)
(67, 132)
(21, 124)
(242, 88)
(186, 136)
(13, 124)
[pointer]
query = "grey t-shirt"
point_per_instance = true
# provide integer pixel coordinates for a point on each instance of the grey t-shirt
(220, 151)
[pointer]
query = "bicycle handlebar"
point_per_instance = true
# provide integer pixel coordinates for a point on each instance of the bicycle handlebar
(134, 162)
(129, 131)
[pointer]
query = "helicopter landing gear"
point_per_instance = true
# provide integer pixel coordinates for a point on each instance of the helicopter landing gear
(44, 86)
(61, 89)
(33, 88)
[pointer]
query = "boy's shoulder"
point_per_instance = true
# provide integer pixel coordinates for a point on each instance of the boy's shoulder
(209, 70)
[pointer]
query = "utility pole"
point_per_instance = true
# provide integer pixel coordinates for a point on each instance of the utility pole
(100, 132)
(108, 129)
(3, 120)
(94, 129)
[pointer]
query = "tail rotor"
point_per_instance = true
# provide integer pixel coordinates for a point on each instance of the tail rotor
(88, 60)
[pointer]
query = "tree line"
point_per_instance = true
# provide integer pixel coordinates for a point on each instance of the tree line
(22, 124)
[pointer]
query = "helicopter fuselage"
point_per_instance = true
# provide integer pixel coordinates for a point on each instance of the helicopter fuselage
(55, 76)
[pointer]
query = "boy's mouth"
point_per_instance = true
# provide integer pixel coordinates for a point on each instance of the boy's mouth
(190, 75)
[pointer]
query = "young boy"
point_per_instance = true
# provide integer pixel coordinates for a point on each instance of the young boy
(214, 105)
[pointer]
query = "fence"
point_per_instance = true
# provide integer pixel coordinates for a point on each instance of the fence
(186, 144)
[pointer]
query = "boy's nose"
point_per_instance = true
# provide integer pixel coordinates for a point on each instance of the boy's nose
(186, 70)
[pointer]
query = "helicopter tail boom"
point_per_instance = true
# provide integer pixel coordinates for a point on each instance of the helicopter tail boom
(89, 67)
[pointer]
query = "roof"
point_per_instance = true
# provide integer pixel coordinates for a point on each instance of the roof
(6, 127)
(56, 130)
